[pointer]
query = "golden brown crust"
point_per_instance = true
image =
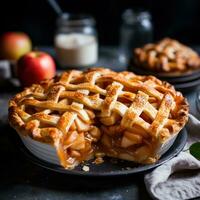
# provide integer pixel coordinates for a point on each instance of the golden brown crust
(167, 56)
(81, 113)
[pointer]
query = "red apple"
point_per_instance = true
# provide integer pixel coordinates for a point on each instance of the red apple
(13, 45)
(34, 67)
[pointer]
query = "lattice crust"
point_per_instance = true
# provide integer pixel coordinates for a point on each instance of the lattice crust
(167, 56)
(87, 113)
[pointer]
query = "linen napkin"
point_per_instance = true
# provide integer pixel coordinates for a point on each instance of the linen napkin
(178, 178)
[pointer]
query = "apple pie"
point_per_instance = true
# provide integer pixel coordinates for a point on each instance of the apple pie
(167, 56)
(100, 112)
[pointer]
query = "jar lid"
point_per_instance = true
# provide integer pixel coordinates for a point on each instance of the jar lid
(131, 16)
(67, 19)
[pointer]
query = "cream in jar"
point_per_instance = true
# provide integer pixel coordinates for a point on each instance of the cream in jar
(76, 49)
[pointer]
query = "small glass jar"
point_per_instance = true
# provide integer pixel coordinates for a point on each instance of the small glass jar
(136, 30)
(76, 41)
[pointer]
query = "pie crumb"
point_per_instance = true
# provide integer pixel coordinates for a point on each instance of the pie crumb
(98, 160)
(86, 168)
(128, 168)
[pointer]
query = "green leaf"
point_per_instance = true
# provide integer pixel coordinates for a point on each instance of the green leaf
(195, 150)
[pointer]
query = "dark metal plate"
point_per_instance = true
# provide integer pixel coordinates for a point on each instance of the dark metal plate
(111, 167)
(171, 77)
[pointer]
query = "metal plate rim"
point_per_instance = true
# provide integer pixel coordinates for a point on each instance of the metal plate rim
(172, 152)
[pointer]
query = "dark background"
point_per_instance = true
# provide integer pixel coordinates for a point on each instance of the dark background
(178, 19)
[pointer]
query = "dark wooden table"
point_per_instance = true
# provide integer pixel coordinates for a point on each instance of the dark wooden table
(22, 180)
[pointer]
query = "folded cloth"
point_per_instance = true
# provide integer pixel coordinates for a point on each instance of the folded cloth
(178, 178)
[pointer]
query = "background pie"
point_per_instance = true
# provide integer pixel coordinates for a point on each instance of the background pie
(100, 112)
(167, 55)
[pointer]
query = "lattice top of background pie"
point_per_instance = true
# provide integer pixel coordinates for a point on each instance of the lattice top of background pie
(167, 56)
(81, 112)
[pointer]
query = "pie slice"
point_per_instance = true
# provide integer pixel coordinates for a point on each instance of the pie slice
(100, 112)
(167, 55)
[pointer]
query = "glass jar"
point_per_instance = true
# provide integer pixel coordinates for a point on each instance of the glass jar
(76, 41)
(135, 31)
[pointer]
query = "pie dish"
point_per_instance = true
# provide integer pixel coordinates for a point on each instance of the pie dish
(82, 115)
(167, 55)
